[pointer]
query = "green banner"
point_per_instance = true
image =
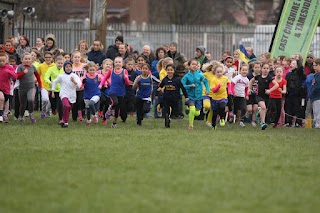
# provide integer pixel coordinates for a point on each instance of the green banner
(296, 27)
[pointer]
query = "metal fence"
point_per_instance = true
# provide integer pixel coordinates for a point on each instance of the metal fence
(215, 38)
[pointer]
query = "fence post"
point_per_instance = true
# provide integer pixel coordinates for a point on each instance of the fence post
(205, 40)
(175, 36)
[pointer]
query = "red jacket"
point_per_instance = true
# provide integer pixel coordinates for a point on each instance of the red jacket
(6, 73)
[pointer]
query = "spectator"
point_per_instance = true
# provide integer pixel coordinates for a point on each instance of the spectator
(208, 55)
(39, 43)
(96, 55)
(9, 49)
(50, 46)
(200, 55)
(23, 46)
(83, 47)
(147, 52)
(112, 51)
(250, 53)
(160, 53)
(178, 59)
(123, 51)
(308, 67)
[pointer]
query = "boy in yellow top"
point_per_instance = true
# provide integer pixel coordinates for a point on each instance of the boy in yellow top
(219, 85)
(51, 74)
(42, 69)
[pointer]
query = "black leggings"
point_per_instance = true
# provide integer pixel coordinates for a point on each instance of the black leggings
(239, 103)
(56, 104)
(219, 111)
(104, 104)
(274, 108)
(117, 104)
(79, 105)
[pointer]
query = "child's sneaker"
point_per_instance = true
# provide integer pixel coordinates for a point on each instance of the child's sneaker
(1, 118)
(108, 113)
(242, 124)
(21, 119)
(5, 119)
(209, 124)
(60, 122)
(139, 123)
(54, 112)
(32, 119)
(64, 125)
(80, 115)
(190, 127)
(95, 119)
(222, 122)
(100, 114)
(263, 126)
(275, 126)
(205, 111)
(114, 125)
(48, 114)
(231, 117)
(253, 123)
(26, 113)
(43, 115)
(104, 122)
(214, 128)
(159, 110)
(88, 122)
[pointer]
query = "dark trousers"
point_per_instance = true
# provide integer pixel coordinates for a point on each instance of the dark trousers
(174, 104)
(79, 105)
(56, 104)
(274, 109)
(104, 104)
(117, 104)
(219, 111)
(239, 103)
(293, 108)
(139, 108)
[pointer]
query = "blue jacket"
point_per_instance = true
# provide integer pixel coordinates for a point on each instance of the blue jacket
(315, 89)
(197, 78)
(308, 84)
(96, 56)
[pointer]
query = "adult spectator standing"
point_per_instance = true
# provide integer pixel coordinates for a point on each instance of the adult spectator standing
(147, 52)
(83, 47)
(308, 67)
(96, 55)
(9, 49)
(123, 51)
(112, 51)
(250, 53)
(39, 43)
(50, 46)
(23, 46)
(178, 59)
(160, 53)
(200, 55)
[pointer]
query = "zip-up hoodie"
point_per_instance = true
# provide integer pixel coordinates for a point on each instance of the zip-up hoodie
(197, 78)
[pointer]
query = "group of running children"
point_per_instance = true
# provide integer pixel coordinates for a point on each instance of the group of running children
(121, 87)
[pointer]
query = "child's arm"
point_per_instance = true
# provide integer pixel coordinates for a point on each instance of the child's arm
(38, 79)
(284, 89)
(250, 84)
(246, 91)
(54, 83)
(47, 77)
(216, 88)
(206, 84)
(84, 81)
(275, 86)
(103, 81)
(184, 91)
(136, 82)
(12, 74)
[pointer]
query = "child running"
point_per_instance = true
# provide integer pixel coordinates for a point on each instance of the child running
(6, 74)
(90, 83)
(69, 83)
(117, 90)
(172, 86)
(25, 73)
(49, 77)
(193, 82)
(219, 85)
(262, 97)
(143, 98)
(275, 105)
(239, 89)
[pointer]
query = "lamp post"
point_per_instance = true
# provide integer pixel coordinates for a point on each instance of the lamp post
(27, 11)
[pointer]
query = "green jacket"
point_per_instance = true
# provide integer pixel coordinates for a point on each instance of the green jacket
(51, 75)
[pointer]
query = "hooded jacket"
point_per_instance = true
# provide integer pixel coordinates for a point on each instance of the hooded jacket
(197, 78)
(54, 49)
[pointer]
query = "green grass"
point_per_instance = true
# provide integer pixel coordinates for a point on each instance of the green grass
(44, 168)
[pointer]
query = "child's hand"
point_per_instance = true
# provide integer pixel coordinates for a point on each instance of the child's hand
(267, 91)
(26, 71)
(99, 86)
(192, 85)
(280, 90)
(207, 93)
(186, 100)
(52, 94)
(247, 97)
(72, 80)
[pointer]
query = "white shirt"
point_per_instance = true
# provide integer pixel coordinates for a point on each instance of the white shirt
(230, 72)
(240, 85)
(67, 88)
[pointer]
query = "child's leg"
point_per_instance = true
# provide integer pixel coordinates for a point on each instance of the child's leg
(214, 118)
(22, 101)
(106, 106)
(53, 103)
(243, 108)
(59, 105)
(263, 111)
(1, 103)
(88, 113)
(192, 110)
(221, 110)
(288, 110)
(66, 109)
(254, 112)
(206, 104)
(45, 101)
(16, 104)
(30, 98)
(316, 112)
(278, 105)
(94, 104)
(139, 107)
(210, 115)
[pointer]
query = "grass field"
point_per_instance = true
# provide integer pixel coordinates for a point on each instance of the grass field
(44, 168)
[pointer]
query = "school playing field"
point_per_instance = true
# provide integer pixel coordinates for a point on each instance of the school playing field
(44, 168)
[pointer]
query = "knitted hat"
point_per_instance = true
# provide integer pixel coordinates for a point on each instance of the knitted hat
(202, 49)
(65, 64)
(310, 55)
(119, 38)
(174, 44)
